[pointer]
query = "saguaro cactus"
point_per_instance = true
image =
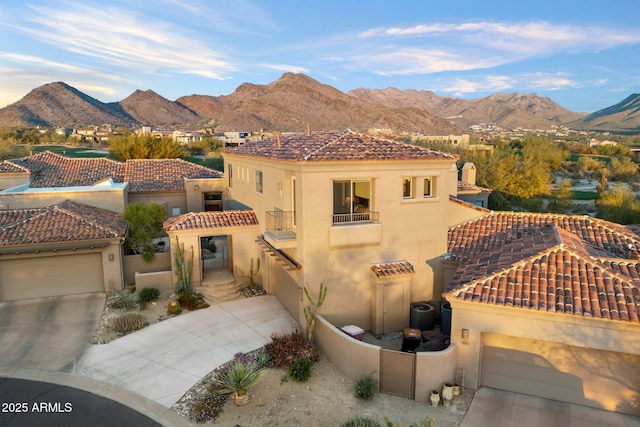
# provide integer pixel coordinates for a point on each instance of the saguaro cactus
(183, 269)
(311, 309)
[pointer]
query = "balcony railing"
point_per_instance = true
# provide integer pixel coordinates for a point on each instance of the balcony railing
(280, 224)
(355, 217)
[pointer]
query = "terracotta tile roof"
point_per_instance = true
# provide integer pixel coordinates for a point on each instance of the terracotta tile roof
(392, 268)
(217, 219)
(148, 175)
(497, 228)
(65, 222)
(550, 263)
(54, 170)
(336, 146)
(471, 188)
(469, 205)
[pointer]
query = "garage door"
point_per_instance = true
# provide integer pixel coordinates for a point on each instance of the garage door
(599, 379)
(51, 276)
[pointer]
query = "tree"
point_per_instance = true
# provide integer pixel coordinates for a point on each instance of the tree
(560, 201)
(619, 205)
(12, 151)
(622, 169)
(145, 147)
(145, 224)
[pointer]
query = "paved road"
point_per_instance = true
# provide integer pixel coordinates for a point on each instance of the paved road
(37, 403)
(47, 333)
(504, 409)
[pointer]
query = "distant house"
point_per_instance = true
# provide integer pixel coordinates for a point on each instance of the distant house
(61, 227)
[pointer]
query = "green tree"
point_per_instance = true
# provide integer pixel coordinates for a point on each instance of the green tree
(145, 147)
(145, 224)
(622, 169)
(12, 151)
(560, 201)
(619, 205)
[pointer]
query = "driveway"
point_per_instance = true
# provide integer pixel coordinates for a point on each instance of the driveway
(492, 407)
(47, 333)
(163, 361)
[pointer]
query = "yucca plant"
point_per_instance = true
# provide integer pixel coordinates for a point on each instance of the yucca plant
(238, 378)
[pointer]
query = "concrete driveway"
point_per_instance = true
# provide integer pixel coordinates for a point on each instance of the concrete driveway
(163, 361)
(47, 333)
(492, 407)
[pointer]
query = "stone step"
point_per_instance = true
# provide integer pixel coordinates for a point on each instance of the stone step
(222, 292)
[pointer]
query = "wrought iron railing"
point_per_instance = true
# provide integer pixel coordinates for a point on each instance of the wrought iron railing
(368, 216)
(280, 224)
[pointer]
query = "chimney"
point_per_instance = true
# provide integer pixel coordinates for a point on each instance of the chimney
(469, 173)
(308, 128)
(276, 133)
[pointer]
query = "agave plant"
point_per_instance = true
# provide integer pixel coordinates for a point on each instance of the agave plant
(240, 377)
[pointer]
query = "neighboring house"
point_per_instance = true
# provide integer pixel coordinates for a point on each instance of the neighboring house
(547, 305)
(62, 249)
(362, 215)
(32, 186)
(468, 190)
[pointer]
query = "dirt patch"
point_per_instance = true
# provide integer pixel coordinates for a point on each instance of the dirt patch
(328, 398)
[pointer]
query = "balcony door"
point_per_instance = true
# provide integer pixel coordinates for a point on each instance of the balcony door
(351, 199)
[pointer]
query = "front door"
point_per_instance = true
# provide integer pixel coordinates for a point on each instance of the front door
(392, 307)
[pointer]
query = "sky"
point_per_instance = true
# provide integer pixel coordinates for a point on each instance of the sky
(583, 54)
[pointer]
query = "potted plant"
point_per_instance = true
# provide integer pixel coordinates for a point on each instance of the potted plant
(238, 378)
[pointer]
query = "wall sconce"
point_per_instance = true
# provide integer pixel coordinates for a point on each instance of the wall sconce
(465, 334)
(111, 257)
(279, 186)
(196, 186)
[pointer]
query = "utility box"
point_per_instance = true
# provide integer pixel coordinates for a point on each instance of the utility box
(422, 316)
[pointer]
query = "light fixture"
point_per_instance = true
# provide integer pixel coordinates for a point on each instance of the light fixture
(196, 186)
(111, 257)
(465, 334)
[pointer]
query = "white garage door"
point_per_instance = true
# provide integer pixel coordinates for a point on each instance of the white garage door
(599, 379)
(51, 276)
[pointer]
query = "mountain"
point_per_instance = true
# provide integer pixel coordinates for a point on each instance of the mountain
(506, 110)
(621, 117)
(150, 108)
(296, 101)
(58, 104)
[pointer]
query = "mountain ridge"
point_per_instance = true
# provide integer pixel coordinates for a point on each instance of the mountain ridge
(296, 102)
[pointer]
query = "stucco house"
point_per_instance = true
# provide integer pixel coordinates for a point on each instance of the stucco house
(61, 217)
(547, 305)
(362, 215)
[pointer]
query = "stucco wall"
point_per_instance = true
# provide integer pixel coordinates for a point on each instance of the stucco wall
(574, 330)
(352, 357)
(133, 264)
(433, 369)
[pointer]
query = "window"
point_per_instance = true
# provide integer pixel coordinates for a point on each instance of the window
(352, 201)
(428, 187)
(230, 175)
(175, 211)
(407, 192)
(259, 181)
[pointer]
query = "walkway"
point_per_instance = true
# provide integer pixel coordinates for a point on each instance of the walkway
(163, 361)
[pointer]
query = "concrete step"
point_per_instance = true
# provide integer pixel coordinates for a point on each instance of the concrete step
(222, 292)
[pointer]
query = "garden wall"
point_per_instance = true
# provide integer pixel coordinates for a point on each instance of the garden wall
(355, 358)
(133, 264)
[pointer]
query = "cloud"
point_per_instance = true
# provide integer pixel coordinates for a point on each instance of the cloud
(124, 40)
(522, 81)
(475, 45)
(286, 68)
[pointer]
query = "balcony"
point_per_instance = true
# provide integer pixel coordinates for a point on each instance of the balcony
(355, 217)
(354, 229)
(280, 229)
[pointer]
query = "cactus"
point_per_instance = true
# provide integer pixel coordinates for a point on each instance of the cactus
(183, 269)
(250, 280)
(311, 309)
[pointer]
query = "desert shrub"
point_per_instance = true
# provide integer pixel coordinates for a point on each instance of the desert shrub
(284, 349)
(192, 301)
(128, 322)
(148, 294)
(261, 359)
(300, 369)
(208, 407)
(239, 376)
(366, 387)
(359, 421)
(125, 299)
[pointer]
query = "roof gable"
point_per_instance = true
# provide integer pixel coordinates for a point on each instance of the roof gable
(148, 175)
(336, 146)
